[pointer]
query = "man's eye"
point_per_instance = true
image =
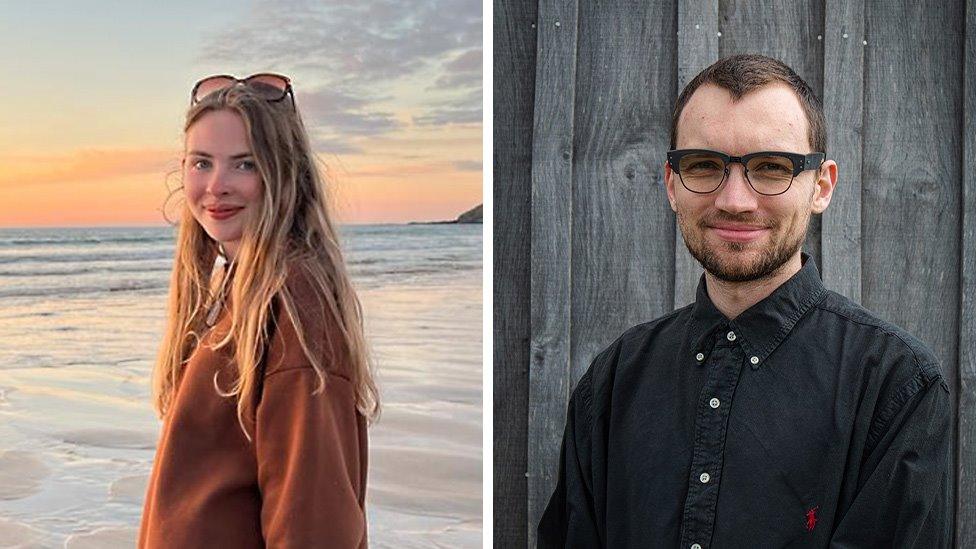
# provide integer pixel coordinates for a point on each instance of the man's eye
(704, 165)
(773, 167)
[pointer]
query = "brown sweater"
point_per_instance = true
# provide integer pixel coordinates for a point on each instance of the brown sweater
(300, 483)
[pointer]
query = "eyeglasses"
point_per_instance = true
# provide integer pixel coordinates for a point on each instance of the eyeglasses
(768, 172)
(270, 86)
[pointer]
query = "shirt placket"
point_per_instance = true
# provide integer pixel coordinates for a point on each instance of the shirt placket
(724, 365)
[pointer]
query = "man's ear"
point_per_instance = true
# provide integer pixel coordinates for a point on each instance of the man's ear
(669, 185)
(824, 186)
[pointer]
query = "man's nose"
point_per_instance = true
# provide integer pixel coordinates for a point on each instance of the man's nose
(735, 194)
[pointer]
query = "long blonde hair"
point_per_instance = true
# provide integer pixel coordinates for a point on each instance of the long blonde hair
(292, 227)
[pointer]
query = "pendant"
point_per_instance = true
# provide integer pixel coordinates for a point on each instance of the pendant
(214, 312)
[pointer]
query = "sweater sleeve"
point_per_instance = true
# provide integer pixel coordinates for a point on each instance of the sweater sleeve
(309, 464)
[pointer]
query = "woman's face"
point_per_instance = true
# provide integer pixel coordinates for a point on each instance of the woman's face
(220, 178)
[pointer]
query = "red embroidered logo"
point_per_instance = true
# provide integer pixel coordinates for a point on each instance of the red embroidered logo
(812, 518)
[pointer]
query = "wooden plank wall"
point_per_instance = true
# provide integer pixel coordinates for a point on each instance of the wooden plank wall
(586, 245)
(514, 54)
(911, 171)
(966, 485)
(698, 38)
(552, 211)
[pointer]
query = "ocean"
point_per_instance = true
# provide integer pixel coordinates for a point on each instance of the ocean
(81, 316)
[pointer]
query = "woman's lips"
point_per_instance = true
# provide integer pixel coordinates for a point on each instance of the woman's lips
(738, 235)
(223, 213)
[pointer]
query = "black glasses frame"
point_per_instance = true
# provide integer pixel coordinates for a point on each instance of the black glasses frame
(801, 163)
(287, 91)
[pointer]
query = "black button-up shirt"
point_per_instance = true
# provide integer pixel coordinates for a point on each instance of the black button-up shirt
(806, 421)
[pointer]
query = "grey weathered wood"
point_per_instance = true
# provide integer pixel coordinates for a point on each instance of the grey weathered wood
(787, 31)
(623, 247)
(843, 106)
(966, 484)
(697, 48)
(605, 253)
(551, 238)
(513, 90)
(912, 169)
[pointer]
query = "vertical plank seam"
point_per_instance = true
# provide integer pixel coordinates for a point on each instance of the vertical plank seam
(860, 206)
(684, 263)
(842, 252)
(963, 531)
(551, 211)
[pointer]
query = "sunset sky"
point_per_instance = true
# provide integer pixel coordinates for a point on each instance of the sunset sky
(95, 93)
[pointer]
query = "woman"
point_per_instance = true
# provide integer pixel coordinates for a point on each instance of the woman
(262, 379)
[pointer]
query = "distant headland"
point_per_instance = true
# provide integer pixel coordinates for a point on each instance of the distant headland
(474, 215)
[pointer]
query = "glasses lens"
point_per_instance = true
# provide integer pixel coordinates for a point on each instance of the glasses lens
(770, 174)
(210, 85)
(269, 86)
(701, 172)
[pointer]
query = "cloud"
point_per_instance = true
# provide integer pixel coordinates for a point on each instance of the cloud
(368, 40)
(467, 165)
(463, 110)
(463, 71)
(335, 112)
(349, 59)
(84, 165)
(429, 168)
(334, 145)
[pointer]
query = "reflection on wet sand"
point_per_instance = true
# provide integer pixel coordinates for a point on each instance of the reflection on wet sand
(77, 434)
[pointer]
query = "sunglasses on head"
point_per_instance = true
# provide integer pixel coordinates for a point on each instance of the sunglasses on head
(270, 86)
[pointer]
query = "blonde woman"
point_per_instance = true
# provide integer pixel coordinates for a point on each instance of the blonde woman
(262, 379)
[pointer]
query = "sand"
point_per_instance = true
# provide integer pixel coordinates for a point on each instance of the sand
(78, 434)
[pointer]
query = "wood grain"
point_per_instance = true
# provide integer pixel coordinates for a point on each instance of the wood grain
(966, 480)
(843, 107)
(912, 171)
(514, 39)
(551, 239)
(697, 49)
(623, 240)
(586, 244)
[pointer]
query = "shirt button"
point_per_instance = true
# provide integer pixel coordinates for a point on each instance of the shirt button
(705, 477)
(695, 546)
(731, 336)
(700, 357)
(754, 360)
(714, 403)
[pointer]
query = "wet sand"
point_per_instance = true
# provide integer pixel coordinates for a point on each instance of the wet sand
(77, 433)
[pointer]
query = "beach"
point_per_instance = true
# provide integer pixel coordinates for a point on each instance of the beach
(81, 316)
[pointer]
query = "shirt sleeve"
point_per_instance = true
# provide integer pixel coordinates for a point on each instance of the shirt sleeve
(903, 497)
(569, 518)
(309, 469)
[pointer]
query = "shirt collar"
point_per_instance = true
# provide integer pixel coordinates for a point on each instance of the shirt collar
(762, 327)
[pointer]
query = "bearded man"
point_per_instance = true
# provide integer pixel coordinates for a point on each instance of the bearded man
(771, 412)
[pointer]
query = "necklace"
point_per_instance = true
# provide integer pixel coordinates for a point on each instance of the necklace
(218, 301)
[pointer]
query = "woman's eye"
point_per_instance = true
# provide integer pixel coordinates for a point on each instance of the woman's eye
(200, 164)
(246, 165)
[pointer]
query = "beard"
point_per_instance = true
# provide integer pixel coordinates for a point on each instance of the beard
(714, 258)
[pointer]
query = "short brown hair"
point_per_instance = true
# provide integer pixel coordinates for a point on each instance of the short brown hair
(741, 74)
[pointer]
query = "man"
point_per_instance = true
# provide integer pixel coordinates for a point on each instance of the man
(771, 412)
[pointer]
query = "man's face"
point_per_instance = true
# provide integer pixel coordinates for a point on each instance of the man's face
(768, 119)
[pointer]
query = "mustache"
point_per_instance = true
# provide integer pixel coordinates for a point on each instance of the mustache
(735, 219)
